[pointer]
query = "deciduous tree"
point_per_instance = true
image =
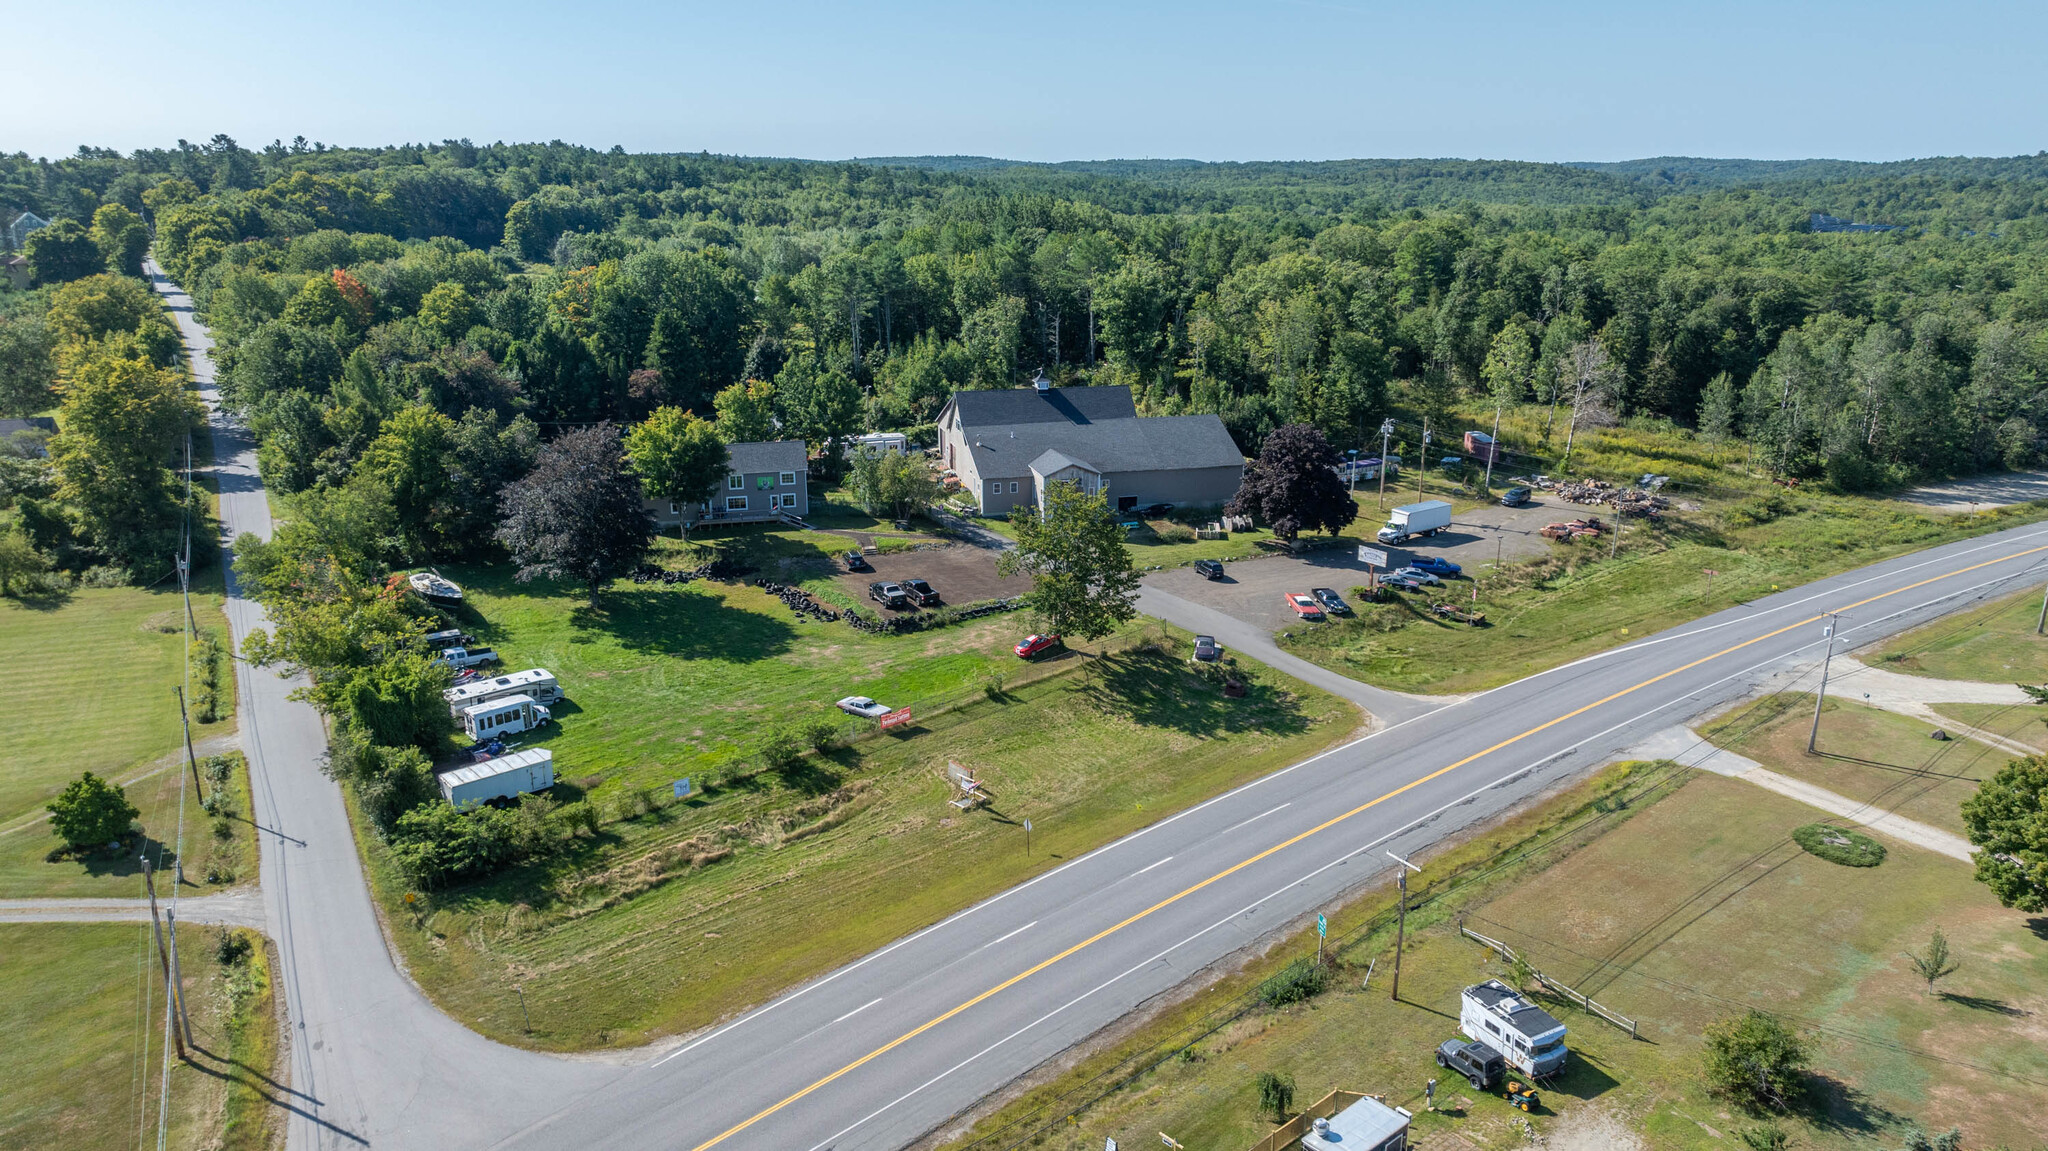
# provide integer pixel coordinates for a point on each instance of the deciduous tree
(1755, 1061)
(62, 252)
(122, 239)
(91, 811)
(121, 420)
(680, 457)
(580, 514)
(27, 367)
(746, 412)
(1293, 486)
(1083, 584)
(2008, 820)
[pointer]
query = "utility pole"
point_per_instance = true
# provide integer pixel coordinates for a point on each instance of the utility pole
(177, 979)
(1353, 453)
(1614, 547)
(1493, 450)
(1422, 464)
(1386, 434)
(1814, 735)
(163, 955)
(1401, 928)
(191, 759)
(2041, 625)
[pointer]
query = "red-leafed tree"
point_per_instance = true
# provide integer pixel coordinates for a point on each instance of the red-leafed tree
(1293, 486)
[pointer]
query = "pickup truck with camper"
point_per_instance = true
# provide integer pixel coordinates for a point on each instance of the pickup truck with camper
(466, 656)
(1411, 520)
(537, 682)
(1529, 1038)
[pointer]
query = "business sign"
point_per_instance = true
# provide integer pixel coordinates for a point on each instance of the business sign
(896, 718)
(1372, 556)
(682, 787)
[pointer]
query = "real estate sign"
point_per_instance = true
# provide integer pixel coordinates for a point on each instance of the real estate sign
(896, 718)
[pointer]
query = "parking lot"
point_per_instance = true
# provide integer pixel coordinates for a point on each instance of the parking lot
(959, 573)
(1252, 590)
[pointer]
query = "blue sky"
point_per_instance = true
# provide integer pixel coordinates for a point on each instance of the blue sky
(1287, 79)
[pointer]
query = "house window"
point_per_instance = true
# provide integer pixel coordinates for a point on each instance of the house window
(674, 508)
(736, 482)
(1013, 487)
(789, 479)
(735, 503)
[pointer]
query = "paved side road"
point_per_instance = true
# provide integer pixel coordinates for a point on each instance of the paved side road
(241, 908)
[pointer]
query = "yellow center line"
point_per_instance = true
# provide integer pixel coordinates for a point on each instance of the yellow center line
(1317, 829)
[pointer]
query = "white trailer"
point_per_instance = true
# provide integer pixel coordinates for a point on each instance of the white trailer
(1528, 1037)
(499, 717)
(537, 682)
(1410, 520)
(501, 778)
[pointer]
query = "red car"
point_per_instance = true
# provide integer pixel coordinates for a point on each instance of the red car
(1304, 605)
(1036, 645)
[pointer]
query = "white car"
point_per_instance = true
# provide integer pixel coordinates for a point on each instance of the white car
(1427, 579)
(864, 707)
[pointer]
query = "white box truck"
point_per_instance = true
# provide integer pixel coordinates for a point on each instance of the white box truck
(1528, 1037)
(1410, 520)
(501, 778)
(500, 717)
(537, 682)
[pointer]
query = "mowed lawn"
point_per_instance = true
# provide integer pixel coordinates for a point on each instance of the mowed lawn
(93, 673)
(1991, 644)
(678, 914)
(82, 1006)
(1689, 909)
(1876, 757)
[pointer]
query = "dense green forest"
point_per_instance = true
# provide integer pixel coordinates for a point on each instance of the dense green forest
(541, 285)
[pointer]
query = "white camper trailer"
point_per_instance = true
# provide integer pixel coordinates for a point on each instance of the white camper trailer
(1528, 1037)
(499, 717)
(537, 682)
(500, 778)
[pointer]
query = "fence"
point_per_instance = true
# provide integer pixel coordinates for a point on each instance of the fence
(1289, 1133)
(1508, 953)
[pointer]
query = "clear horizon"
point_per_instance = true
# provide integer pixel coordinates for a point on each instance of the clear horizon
(1596, 81)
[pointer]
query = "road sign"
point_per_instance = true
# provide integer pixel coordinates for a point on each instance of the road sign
(1109, 1145)
(1322, 927)
(896, 718)
(1170, 1141)
(682, 787)
(1027, 825)
(1373, 557)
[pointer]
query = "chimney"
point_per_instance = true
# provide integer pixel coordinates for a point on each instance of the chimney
(1043, 385)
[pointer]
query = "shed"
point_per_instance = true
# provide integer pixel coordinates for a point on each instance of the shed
(501, 778)
(1367, 1125)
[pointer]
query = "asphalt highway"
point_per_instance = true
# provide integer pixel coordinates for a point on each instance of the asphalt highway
(882, 1051)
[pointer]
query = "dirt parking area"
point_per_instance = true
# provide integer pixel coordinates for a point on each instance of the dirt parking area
(1252, 590)
(960, 573)
(1993, 491)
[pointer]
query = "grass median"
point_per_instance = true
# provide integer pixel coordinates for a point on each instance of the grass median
(1995, 643)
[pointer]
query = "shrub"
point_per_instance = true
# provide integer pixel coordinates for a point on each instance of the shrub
(1754, 1061)
(91, 812)
(1839, 845)
(230, 946)
(819, 734)
(1299, 980)
(1174, 534)
(1763, 1137)
(782, 749)
(1276, 1095)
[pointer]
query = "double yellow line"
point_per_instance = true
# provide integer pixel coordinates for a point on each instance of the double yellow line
(1321, 827)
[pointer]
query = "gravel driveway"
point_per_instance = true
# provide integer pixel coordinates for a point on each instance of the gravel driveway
(1993, 491)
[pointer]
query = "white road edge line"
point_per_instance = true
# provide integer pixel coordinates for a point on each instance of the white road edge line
(1254, 819)
(857, 1010)
(1150, 866)
(1012, 935)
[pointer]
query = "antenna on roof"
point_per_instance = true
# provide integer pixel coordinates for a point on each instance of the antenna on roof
(1041, 383)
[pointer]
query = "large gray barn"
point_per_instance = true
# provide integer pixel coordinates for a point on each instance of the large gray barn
(1007, 445)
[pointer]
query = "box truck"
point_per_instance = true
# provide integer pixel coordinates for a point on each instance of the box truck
(1410, 520)
(537, 682)
(501, 778)
(500, 717)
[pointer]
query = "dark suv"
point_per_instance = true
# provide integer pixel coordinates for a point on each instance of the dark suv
(1515, 497)
(888, 594)
(1209, 569)
(921, 591)
(1481, 1065)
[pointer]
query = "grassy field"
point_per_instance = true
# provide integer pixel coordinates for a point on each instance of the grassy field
(1992, 644)
(83, 1059)
(1677, 911)
(2021, 723)
(100, 699)
(1876, 757)
(1757, 538)
(677, 913)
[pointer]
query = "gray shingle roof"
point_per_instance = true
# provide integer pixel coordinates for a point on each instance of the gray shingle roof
(1008, 406)
(28, 424)
(778, 456)
(1134, 444)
